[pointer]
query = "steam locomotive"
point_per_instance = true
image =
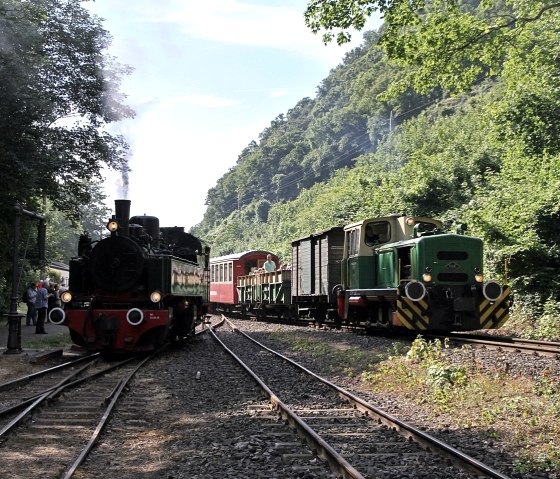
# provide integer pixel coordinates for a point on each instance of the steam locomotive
(392, 272)
(137, 288)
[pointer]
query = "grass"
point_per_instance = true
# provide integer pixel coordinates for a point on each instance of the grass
(51, 341)
(521, 414)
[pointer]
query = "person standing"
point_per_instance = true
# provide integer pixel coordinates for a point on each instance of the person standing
(31, 317)
(269, 265)
(41, 304)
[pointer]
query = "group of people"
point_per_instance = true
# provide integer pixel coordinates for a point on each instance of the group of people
(40, 300)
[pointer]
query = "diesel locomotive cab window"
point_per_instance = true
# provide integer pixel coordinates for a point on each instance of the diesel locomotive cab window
(353, 242)
(377, 232)
(424, 227)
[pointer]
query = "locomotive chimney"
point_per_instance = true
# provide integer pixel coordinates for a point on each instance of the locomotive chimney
(122, 212)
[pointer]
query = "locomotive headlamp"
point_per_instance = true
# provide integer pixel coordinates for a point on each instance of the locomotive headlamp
(66, 297)
(113, 226)
(410, 221)
(155, 297)
(479, 278)
(427, 277)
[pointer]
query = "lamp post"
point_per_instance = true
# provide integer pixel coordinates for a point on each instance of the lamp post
(14, 321)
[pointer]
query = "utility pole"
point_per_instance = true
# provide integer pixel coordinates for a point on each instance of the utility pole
(14, 321)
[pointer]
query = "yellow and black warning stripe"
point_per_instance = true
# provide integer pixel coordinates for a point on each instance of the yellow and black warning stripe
(412, 314)
(495, 314)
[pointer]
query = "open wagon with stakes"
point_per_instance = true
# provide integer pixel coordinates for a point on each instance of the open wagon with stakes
(225, 272)
(137, 288)
(392, 272)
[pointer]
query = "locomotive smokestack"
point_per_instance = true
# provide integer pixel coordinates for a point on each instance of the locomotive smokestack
(122, 212)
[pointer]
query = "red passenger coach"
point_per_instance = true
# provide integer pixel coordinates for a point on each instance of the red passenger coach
(224, 271)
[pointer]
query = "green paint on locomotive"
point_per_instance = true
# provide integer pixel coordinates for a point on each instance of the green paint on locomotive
(172, 276)
(450, 259)
(358, 272)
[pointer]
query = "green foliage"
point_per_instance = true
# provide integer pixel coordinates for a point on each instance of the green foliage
(426, 351)
(58, 92)
(510, 406)
(443, 42)
(368, 145)
(547, 326)
(439, 374)
(444, 375)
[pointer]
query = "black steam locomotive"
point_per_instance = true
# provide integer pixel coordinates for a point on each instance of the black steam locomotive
(137, 288)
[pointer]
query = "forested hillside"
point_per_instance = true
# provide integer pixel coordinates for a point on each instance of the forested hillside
(483, 150)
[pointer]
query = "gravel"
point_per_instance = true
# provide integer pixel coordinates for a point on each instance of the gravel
(185, 418)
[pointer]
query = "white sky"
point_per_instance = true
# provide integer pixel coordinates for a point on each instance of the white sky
(209, 77)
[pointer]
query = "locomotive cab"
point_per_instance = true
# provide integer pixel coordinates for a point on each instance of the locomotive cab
(376, 253)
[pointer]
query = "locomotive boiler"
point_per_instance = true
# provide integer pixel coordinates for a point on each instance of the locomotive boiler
(137, 288)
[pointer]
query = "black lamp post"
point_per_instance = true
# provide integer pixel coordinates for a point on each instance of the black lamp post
(14, 321)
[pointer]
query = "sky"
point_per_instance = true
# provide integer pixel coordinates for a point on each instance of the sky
(208, 77)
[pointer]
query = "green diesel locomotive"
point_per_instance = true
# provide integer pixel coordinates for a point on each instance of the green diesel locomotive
(406, 272)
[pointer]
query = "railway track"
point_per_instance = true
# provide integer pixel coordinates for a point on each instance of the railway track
(357, 439)
(61, 423)
(520, 345)
(198, 414)
(528, 346)
(59, 415)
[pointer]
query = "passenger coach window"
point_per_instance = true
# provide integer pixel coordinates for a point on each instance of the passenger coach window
(230, 272)
(377, 232)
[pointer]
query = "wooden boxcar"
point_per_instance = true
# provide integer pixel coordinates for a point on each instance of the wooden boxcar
(225, 271)
(316, 263)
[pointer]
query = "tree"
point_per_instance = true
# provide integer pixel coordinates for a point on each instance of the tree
(448, 43)
(58, 92)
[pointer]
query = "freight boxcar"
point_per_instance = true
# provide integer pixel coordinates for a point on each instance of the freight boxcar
(316, 261)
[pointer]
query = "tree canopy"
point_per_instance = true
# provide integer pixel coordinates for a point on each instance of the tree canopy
(448, 43)
(59, 90)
